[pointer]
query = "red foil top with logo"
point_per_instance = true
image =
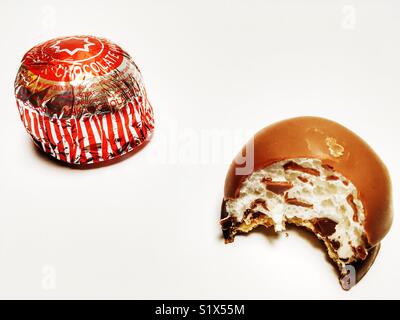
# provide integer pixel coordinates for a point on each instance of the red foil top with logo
(82, 100)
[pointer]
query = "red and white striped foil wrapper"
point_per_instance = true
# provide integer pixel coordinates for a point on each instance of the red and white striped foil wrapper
(82, 100)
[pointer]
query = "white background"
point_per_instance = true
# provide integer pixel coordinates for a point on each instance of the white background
(148, 226)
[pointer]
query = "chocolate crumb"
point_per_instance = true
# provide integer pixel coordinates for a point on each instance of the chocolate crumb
(258, 214)
(227, 225)
(258, 202)
(324, 226)
(361, 252)
(277, 187)
(246, 213)
(302, 179)
(296, 202)
(327, 167)
(350, 201)
(335, 244)
(332, 178)
(291, 165)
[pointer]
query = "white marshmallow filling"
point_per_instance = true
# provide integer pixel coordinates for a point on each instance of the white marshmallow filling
(307, 193)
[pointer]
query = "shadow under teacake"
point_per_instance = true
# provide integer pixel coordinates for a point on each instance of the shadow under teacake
(53, 161)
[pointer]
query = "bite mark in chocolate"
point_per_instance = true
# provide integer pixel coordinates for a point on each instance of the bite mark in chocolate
(227, 222)
(291, 165)
(227, 226)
